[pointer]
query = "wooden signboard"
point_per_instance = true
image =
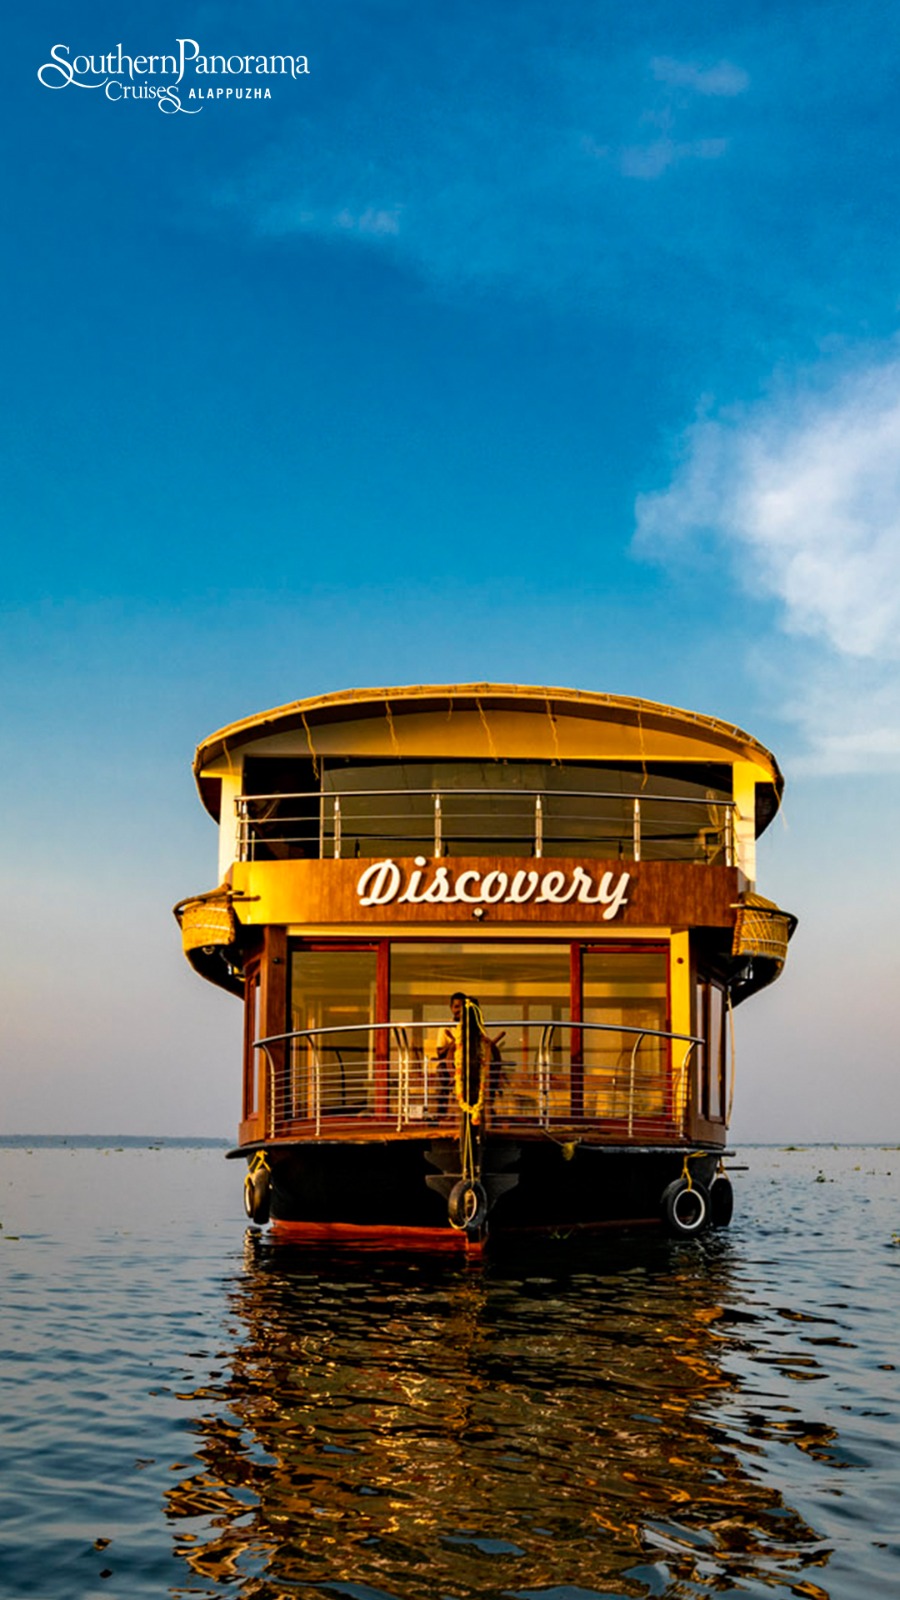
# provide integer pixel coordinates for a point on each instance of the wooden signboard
(364, 895)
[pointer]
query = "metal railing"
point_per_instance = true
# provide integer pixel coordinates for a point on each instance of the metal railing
(373, 1078)
(366, 823)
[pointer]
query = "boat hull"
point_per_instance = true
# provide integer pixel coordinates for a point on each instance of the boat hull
(401, 1189)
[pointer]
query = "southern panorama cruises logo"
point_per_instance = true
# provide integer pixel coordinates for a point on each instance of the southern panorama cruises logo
(179, 80)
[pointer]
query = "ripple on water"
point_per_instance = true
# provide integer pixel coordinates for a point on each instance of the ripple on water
(191, 1416)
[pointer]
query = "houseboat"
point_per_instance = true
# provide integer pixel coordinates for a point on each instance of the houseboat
(489, 940)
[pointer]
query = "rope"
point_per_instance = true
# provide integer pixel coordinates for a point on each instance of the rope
(691, 1155)
(259, 1163)
(462, 1059)
(468, 1152)
(471, 1109)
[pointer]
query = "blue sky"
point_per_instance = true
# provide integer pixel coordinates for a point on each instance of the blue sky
(533, 343)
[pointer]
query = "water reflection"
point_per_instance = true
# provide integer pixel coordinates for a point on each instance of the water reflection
(412, 1428)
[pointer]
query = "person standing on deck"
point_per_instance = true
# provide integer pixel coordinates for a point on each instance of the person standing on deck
(483, 1050)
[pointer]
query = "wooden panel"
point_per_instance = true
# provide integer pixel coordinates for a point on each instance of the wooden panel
(325, 893)
(274, 1017)
(250, 1099)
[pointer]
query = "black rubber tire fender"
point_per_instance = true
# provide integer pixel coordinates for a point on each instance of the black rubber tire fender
(685, 1208)
(467, 1204)
(721, 1201)
(257, 1196)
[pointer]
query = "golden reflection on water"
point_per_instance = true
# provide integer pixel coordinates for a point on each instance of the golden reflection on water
(409, 1428)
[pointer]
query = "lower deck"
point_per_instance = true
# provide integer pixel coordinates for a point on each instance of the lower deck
(618, 1041)
(601, 1081)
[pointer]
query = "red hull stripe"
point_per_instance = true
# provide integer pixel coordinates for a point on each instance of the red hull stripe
(375, 1236)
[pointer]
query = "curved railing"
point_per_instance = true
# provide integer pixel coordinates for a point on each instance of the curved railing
(618, 1080)
(365, 823)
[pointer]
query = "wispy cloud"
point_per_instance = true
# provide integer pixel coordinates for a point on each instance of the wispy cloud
(803, 494)
(374, 219)
(474, 176)
(723, 78)
(653, 159)
(683, 82)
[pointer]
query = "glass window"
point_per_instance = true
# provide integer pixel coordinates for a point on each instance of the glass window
(716, 1052)
(700, 1057)
(520, 988)
(711, 1057)
(332, 994)
(625, 1075)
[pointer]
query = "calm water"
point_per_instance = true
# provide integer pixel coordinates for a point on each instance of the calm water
(189, 1412)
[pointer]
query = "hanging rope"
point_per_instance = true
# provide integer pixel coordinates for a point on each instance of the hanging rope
(470, 1099)
(691, 1155)
(462, 1056)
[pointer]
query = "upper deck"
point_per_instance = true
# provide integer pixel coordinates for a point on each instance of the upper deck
(500, 771)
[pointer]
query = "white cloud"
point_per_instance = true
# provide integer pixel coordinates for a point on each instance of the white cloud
(847, 709)
(650, 160)
(482, 179)
(804, 495)
(373, 219)
(724, 78)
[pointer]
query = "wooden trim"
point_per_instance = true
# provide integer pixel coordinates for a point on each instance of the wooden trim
(635, 946)
(251, 1025)
(338, 943)
(274, 1017)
